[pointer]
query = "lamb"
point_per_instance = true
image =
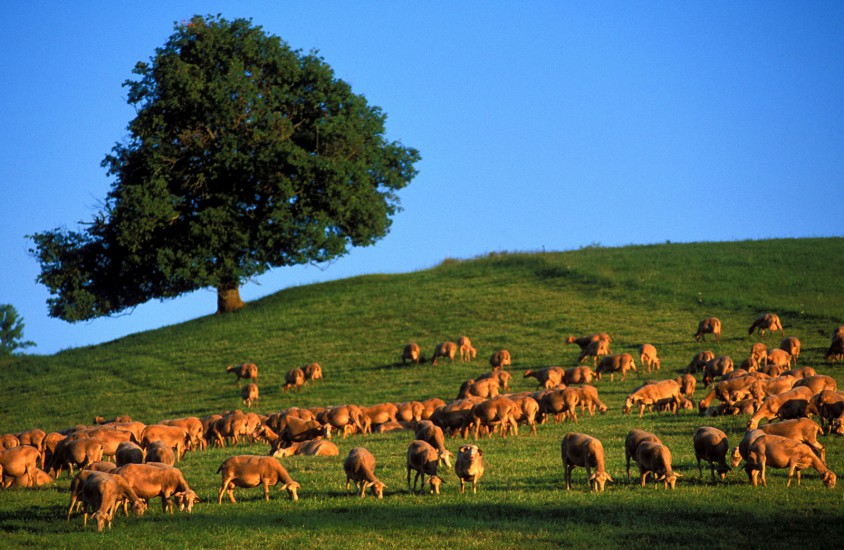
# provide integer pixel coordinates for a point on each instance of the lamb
(547, 377)
(467, 352)
(766, 321)
(469, 466)
(715, 367)
(595, 349)
(648, 357)
(312, 447)
(423, 459)
(249, 394)
(432, 434)
(411, 352)
(579, 449)
(313, 372)
(19, 462)
(710, 325)
(129, 453)
(360, 468)
(781, 452)
(500, 359)
(159, 451)
(636, 437)
(711, 445)
(771, 406)
(444, 349)
(651, 394)
(654, 459)
(154, 479)
(248, 471)
(791, 345)
(578, 375)
(245, 370)
(698, 361)
(295, 378)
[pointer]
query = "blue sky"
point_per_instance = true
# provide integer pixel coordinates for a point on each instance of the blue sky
(542, 125)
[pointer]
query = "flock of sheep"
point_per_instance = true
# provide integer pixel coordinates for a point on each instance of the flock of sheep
(767, 386)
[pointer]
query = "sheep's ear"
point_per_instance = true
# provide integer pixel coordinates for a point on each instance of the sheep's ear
(592, 477)
(661, 478)
(609, 477)
(678, 474)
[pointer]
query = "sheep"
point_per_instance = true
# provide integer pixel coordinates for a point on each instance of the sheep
(102, 493)
(379, 414)
(410, 411)
(467, 352)
(80, 452)
(829, 406)
(547, 377)
(429, 432)
(469, 466)
(578, 375)
(766, 321)
(452, 416)
(525, 412)
(698, 361)
(648, 357)
(634, 438)
(444, 349)
(19, 462)
(430, 405)
(758, 355)
(579, 449)
(41, 478)
(109, 436)
(155, 479)
(715, 367)
(313, 372)
(497, 411)
(411, 352)
(589, 399)
(423, 459)
(248, 471)
(817, 383)
(298, 430)
(687, 385)
(711, 445)
(595, 349)
(791, 345)
(129, 453)
(500, 359)
(34, 438)
(771, 406)
(654, 459)
(159, 451)
(710, 325)
(501, 376)
(193, 426)
(360, 469)
(245, 370)
(249, 393)
(295, 378)
(584, 341)
(781, 452)
(651, 394)
(801, 430)
(312, 447)
(779, 358)
(349, 418)
(614, 363)
(836, 348)
(174, 436)
(487, 388)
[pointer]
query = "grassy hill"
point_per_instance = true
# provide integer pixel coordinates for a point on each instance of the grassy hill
(527, 303)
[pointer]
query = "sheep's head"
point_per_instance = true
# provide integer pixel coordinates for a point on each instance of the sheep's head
(139, 507)
(829, 479)
(628, 404)
(186, 500)
(599, 479)
(377, 488)
(445, 457)
(723, 471)
(292, 489)
(736, 457)
(435, 482)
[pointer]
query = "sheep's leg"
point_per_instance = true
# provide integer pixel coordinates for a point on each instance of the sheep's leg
(408, 478)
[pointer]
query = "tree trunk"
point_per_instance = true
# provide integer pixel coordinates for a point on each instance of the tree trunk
(228, 299)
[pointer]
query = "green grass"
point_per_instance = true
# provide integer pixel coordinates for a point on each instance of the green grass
(527, 303)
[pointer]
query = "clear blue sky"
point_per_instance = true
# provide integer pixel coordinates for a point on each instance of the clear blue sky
(542, 125)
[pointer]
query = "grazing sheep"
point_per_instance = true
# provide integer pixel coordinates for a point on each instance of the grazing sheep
(312, 447)
(19, 462)
(711, 325)
(589, 399)
(584, 341)
(654, 459)
(411, 352)
(159, 451)
(298, 430)
(771, 406)
(711, 445)
(620, 362)
(779, 358)
(781, 452)
(102, 493)
(829, 406)
(295, 378)
(467, 352)
(802, 372)
(452, 416)
(129, 453)
(500, 359)
(501, 376)
(80, 452)
(526, 411)
(360, 469)
(653, 394)
(430, 405)
(715, 367)
(817, 383)
(595, 349)
(801, 430)
(380, 414)
(154, 479)
(698, 361)
(836, 348)
(410, 411)
(469, 466)
(497, 411)
(562, 403)
(246, 370)
(648, 357)
(249, 471)
(636, 437)
(687, 385)
(249, 394)
(486, 388)
(174, 436)
(547, 377)
(766, 321)
(432, 434)
(578, 375)
(313, 372)
(349, 418)
(758, 355)
(423, 459)
(444, 349)
(582, 450)
(791, 345)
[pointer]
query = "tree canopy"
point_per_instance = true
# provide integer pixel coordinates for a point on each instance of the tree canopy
(244, 155)
(11, 331)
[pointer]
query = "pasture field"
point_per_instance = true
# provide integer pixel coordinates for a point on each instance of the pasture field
(524, 302)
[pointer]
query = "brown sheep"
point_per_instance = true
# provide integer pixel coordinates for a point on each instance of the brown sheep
(469, 466)
(487, 388)
(174, 436)
(781, 452)
(451, 417)
(300, 430)
(102, 493)
(249, 393)
(584, 341)
(349, 418)
(312, 447)
(589, 399)
(423, 459)
(711, 445)
(430, 405)
(547, 377)
(836, 348)
(109, 436)
(698, 361)
(129, 453)
(500, 359)
(559, 402)
(249, 471)
(80, 452)
(595, 349)
(526, 410)
(380, 414)
(818, 383)
(502, 376)
(578, 375)
(791, 345)
(620, 362)
(193, 426)
(634, 438)
(444, 349)
(758, 355)
(802, 430)
(778, 358)
(159, 480)
(648, 357)
(245, 370)
(497, 411)
(295, 378)
(715, 367)
(313, 372)
(429, 432)
(467, 352)
(829, 406)
(159, 451)
(771, 406)
(582, 450)
(766, 321)
(711, 325)
(687, 385)
(360, 469)
(654, 459)
(410, 411)
(652, 394)
(411, 352)
(19, 462)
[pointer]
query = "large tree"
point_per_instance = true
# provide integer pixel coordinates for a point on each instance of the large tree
(244, 155)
